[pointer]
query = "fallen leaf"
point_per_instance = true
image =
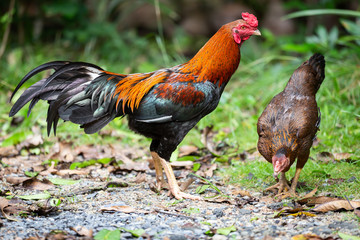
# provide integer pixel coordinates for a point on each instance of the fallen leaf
(8, 151)
(311, 194)
(117, 208)
(201, 189)
(342, 156)
(59, 235)
(187, 150)
(69, 172)
(226, 231)
(136, 232)
(302, 213)
(325, 157)
(106, 234)
(62, 181)
(16, 180)
(83, 231)
(182, 164)
(50, 170)
(345, 236)
(114, 184)
(336, 205)
(286, 211)
(141, 177)
(39, 196)
(241, 192)
(37, 184)
(62, 151)
(310, 236)
(312, 201)
(210, 171)
(207, 135)
(11, 207)
(130, 165)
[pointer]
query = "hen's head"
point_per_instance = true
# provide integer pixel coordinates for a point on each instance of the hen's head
(280, 161)
(246, 28)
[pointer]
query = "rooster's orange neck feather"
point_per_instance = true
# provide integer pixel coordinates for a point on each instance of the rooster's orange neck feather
(217, 60)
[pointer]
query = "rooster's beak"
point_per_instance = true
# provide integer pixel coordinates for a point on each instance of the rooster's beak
(257, 32)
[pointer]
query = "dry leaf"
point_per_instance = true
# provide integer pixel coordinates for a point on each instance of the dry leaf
(302, 213)
(210, 171)
(326, 157)
(310, 236)
(8, 151)
(83, 231)
(65, 172)
(186, 184)
(11, 207)
(141, 177)
(37, 184)
(62, 151)
(342, 156)
(311, 194)
(312, 201)
(182, 164)
(130, 165)
(187, 150)
(117, 208)
(16, 180)
(241, 192)
(50, 170)
(336, 205)
(207, 135)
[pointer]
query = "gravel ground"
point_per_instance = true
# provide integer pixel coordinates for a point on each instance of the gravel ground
(163, 217)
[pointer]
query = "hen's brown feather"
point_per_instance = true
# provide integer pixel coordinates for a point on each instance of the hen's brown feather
(289, 123)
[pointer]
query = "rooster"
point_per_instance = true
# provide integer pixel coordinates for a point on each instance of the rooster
(163, 105)
(288, 125)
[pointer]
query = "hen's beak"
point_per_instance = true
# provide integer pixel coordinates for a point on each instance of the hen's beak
(257, 32)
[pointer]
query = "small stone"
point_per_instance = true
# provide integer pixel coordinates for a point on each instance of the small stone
(218, 212)
(178, 237)
(244, 211)
(275, 206)
(219, 237)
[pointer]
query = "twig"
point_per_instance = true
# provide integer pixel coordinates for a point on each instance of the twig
(186, 184)
(173, 214)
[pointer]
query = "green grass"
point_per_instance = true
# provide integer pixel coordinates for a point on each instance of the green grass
(263, 72)
(328, 177)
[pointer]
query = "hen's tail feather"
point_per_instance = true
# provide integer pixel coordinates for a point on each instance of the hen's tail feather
(317, 62)
(78, 92)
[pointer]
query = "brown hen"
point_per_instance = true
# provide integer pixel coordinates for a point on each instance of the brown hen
(288, 125)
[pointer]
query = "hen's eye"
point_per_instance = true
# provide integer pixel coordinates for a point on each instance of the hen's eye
(243, 27)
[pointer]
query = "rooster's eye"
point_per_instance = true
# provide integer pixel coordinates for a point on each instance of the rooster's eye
(243, 27)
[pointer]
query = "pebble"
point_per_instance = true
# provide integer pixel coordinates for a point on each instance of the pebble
(251, 221)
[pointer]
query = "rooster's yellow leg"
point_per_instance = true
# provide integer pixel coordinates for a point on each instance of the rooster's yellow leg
(158, 171)
(173, 185)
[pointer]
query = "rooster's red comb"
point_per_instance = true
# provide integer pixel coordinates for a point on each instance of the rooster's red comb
(250, 19)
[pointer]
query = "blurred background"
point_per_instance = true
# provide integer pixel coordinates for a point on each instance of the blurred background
(127, 36)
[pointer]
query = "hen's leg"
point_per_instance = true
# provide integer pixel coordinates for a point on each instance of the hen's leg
(173, 185)
(295, 180)
(158, 171)
(282, 185)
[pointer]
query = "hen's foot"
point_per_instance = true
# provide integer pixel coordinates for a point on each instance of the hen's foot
(284, 190)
